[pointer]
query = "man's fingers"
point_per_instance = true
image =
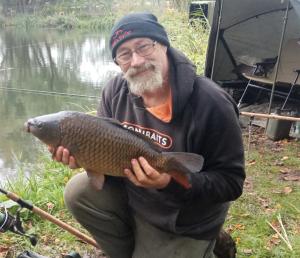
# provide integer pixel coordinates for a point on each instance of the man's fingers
(58, 154)
(50, 149)
(138, 171)
(130, 175)
(148, 170)
(65, 156)
(72, 163)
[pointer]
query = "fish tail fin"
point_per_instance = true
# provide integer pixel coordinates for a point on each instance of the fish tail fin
(180, 164)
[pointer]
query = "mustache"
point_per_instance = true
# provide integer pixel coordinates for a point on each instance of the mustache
(132, 71)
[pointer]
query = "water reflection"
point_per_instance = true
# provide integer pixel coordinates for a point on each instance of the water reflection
(43, 72)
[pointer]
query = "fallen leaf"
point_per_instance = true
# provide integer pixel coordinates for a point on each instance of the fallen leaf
(275, 240)
(247, 251)
(285, 170)
(278, 163)
(239, 226)
(50, 206)
(285, 158)
(290, 175)
(248, 184)
(287, 190)
(251, 162)
(264, 202)
(291, 178)
(277, 149)
(4, 250)
(270, 210)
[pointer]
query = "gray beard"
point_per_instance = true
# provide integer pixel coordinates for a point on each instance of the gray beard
(140, 84)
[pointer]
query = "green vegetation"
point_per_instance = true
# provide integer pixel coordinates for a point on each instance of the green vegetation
(56, 14)
(59, 20)
(191, 40)
(271, 192)
(43, 188)
(82, 14)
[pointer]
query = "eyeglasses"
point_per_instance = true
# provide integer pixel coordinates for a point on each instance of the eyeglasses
(124, 57)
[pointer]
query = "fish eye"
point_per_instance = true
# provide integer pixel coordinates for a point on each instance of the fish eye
(39, 125)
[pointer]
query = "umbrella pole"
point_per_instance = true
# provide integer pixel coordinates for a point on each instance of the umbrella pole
(216, 42)
(279, 57)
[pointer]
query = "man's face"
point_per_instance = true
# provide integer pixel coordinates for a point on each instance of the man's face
(144, 73)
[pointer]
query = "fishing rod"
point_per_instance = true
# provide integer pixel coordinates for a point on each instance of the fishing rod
(14, 224)
(279, 117)
(42, 92)
(8, 220)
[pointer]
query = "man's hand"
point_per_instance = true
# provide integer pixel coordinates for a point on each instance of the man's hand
(63, 155)
(142, 174)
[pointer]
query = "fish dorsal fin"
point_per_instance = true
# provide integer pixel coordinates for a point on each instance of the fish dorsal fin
(142, 136)
(112, 121)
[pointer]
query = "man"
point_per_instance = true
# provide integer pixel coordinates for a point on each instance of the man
(158, 94)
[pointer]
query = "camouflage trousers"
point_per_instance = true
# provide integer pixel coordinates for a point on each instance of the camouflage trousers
(120, 234)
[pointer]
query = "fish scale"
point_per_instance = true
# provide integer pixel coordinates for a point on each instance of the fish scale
(94, 139)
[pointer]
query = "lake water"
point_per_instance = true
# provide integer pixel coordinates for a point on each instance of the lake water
(42, 72)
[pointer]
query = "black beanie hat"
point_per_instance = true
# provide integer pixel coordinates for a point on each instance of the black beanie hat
(137, 25)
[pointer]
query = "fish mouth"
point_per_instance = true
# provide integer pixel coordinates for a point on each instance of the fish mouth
(27, 126)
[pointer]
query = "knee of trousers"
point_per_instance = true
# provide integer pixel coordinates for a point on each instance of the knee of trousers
(80, 195)
(75, 191)
(103, 212)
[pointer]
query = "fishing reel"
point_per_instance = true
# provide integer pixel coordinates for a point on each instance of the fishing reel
(14, 224)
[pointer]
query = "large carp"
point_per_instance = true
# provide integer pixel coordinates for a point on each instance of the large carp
(103, 146)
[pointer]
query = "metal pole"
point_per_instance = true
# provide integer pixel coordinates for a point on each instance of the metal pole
(279, 57)
(249, 135)
(288, 118)
(217, 38)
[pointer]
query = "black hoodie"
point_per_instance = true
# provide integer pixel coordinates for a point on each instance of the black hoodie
(204, 121)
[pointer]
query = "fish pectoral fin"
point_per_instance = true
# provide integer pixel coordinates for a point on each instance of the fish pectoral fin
(96, 179)
(181, 178)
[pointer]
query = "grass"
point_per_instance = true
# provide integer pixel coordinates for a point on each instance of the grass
(43, 188)
(271, 190)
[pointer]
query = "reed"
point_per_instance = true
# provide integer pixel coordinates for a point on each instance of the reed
(190, 39)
